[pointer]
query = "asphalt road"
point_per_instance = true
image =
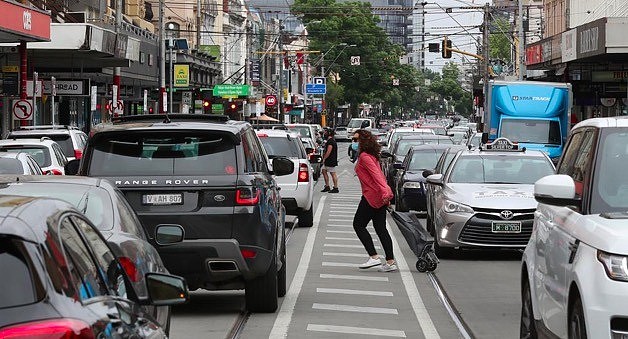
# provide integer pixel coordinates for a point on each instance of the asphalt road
(329, 297)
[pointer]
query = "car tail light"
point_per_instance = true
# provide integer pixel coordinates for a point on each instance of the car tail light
(55, 171)
(131, 270)
(247, 254)
(247, 196)
(78, 154)
(53, 328)
(304, 173)
(262, 135)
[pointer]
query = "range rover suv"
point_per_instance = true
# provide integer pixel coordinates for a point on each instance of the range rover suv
(211, 177)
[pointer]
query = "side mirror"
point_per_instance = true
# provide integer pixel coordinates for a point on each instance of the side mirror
(398, 165)
(169, 234)
(72, 167)
(556, 190)
(165, 289)
(309, 150)
(282, 166)
(427, 173)
(315, 158)
(435, 179)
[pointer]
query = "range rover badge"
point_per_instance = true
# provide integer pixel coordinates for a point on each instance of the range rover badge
(219, 197)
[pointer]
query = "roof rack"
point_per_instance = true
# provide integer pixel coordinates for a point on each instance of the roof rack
(170, 117)
(46, 127)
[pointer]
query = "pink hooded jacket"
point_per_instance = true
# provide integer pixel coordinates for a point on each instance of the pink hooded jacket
(374, 186)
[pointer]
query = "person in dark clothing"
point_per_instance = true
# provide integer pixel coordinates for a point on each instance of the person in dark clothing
(353, 150)
(330, 161)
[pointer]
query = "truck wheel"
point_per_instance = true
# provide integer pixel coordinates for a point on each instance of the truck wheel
(306, 218)
(281, 275)
(261, 293)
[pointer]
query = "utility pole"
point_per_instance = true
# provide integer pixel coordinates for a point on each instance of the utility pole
(198, 24)
(116, 70)
(281, 56)
(522, 42)
(163, 102)
(485, 62)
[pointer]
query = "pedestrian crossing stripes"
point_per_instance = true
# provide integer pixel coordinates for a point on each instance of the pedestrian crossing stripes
(349, 239)
(352, 277)
(353, 292)
(336, 254)
(356, 330)
(351, 308)
(339, 264)
(348, 246)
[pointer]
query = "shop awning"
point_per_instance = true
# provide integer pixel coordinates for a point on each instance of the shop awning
(23, 23)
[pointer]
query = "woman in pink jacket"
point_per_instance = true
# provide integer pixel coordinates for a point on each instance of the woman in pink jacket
(376, 196)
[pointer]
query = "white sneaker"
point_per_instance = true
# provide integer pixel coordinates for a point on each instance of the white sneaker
(371, 263)
(388, 267)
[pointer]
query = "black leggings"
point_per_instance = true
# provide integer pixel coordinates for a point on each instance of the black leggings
(363, 215)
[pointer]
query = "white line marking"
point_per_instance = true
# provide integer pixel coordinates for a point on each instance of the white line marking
(343, 232)
(355, 255)
(422, 315)
(348, 246)
(348, 239)
(350, 308)
(339, 225)
(356, 330)
(339, 264)
(349, 221)
(352, 277)
(354, 292)
(284, 316)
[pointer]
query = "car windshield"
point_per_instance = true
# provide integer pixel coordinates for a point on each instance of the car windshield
(500, 169)
(304, 131)
(532, 131)
(281, 146)
(397, 135)
(41, 154)
(403, 146)
(11, 166)
(22, 286)
(610, 184)
(354, 123)
(94, 202)
(163, 153)
(424, 159)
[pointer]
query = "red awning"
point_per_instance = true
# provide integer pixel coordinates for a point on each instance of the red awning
(20, 22)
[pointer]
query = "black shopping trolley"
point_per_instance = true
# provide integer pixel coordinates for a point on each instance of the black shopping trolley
(420, 241)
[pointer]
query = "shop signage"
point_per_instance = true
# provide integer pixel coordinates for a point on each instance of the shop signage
(591, 39)
(533, 54)
(181, 75)
(609, 76)
(568, 45)
(68, 87)
(24, 23)
(231, 91)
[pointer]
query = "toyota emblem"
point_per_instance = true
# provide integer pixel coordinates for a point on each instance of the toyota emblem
(506, 214)
(219, 197)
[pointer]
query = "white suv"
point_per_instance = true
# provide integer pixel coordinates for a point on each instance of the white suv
(71, 139)
(297, 189)
(47, 153)
(574, 280)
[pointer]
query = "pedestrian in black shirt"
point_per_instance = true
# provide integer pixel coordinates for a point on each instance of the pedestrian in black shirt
(330, 161)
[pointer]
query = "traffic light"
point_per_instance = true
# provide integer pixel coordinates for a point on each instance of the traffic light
(446, 49)
(232, 108)
(206, 106)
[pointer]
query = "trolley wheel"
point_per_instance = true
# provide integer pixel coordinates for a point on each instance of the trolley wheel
(432, 266)
(421, 265)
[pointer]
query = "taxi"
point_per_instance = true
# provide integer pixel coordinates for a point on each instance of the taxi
(485, 197)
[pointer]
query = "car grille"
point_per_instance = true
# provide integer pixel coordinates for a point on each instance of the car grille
(478, 230)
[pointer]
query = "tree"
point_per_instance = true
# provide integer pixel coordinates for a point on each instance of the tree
(500, 46)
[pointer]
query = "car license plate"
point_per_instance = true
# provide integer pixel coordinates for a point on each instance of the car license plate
(162, 199)
(506, 227)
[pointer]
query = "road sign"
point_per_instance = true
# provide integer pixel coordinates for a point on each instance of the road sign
(117, 109)
(355, 60)
(22, 110)
(319, 81)
(315, 89)
(271, 100)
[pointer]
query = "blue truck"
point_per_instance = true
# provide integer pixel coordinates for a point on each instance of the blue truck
(534, 114)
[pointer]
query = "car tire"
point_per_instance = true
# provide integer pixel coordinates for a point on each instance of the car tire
(261, 293)
(281, 275)
(306, 218)
(577, 324)
(527, 326)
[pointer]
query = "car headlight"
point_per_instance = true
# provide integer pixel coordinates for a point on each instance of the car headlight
(616, 266)
(411, 184)
(453, 207)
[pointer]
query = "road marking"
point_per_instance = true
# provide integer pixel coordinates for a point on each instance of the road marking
(341, 220)
(355, 255)
(284, 316)
(352, 277)
(422, 315)
(349, 239)
(340, 225)
(350, 308)
(339, 264)
(356, 330)
(350, 232)
(354, 292)
(348, 246)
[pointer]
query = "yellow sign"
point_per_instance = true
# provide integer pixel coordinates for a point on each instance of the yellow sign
(181, 75)
(10, 69)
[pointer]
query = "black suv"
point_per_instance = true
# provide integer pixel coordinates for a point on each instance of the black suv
(210, 176)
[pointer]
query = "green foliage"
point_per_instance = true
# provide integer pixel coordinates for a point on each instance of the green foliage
(499, 40)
